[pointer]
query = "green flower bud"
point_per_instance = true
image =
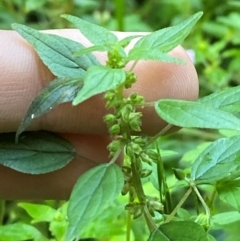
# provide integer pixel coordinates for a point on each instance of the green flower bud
(137, 99)
(115, 130)
(135, 148)
(121, 63)
(110, 119)
(114, 146)
(152, 154)
(132, 194)
(145, 173)
(136, 209)
(203, 220)
(126, 111)
(130, 79)
(135, 125)
(138, 165)
(135, 121)
(59, 217)
(126, 170)
(146, 158)
(137, 213)
(156, 205)
(125, 188)
(179, 173)
(141, 141)
(110, 95)
(151, 211)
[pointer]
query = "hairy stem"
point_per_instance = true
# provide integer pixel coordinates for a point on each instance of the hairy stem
(163, 187)
(205, 206)
(184, 198)
(129, 222)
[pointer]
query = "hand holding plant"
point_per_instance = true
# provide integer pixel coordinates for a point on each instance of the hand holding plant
(81, 79)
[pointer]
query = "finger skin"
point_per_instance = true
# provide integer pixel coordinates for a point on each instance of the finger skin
(23, 75)
(58, 184)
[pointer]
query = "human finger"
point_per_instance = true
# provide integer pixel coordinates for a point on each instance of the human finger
(24, 74)
(91, 151)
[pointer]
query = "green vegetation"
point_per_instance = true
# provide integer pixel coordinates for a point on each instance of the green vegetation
(196, 181)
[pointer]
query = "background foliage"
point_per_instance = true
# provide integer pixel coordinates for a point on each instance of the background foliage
(215, 41)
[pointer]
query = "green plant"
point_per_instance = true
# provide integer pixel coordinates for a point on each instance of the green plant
(215, 170)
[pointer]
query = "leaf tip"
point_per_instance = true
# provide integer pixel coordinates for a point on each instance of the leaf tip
(14, 26)
(199, 14)
(64, 15)
(75, 102)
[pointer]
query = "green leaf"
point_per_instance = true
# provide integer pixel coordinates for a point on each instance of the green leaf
(92, 193)
(39, 212)
(56, 92)
(20, 231)
(190, 156)
(125, 41)
(91, 49)
(98, 80)
(195, 114)
(152, 54)
(222, 219)
(179, 231)
(211, 238)
(168, 38)
(218, 161)
(95, 34)
(36, 153)
(58, 226)
(226, 99)
(57, 52)
(229, 192)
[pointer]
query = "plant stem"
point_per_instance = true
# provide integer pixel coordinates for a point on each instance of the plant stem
(116, 155)
(129, 221)
(160, 133)
(151, 224)
(204, 135)
(141, 196)
(184, 198)
(119, 13)
(212, 199)
(2, 211)
(163, 187)
(133, 65)
(205, 206)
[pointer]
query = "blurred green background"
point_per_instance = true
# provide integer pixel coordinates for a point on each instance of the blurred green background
(215, 41)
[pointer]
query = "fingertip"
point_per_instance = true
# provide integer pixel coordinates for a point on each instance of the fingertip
(159, 80)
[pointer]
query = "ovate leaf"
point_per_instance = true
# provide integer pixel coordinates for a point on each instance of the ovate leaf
(179, 231)
(225, 99)
(229, 192)
(98, 80)
(168, 38)
(20, 231)
(39, 212)
(57, 52)
(219, 160)
(95, 34)
(194, 114)
(56, 92)
(92, 193)
(36, 152)
(223, 219)
(153, 54)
